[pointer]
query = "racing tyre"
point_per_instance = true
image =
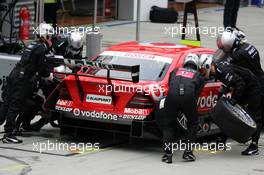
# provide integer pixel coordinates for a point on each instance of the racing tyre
(234, 121)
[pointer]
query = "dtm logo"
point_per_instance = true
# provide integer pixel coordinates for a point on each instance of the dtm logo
(207, 101)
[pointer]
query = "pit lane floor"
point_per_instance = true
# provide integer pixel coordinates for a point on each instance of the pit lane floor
(117, 157)
(142, 156)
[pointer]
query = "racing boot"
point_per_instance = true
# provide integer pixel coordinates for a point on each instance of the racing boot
(188, 156)
(11, 138)
(251, 150)
(167, 158)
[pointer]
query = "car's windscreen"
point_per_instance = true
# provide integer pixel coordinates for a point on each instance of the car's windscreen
(150, 69)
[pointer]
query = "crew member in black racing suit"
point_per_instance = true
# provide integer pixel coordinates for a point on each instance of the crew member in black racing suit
(31, 106)
(246, 89)
(185, 85)
(243, 54)
(70, 48)
(19, 81)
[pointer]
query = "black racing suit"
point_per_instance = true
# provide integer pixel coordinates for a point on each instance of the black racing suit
(185, 86)
(230, 13)
(246, 90)
(31, 106)
(247, 56)
(18, 87)
(59, 45)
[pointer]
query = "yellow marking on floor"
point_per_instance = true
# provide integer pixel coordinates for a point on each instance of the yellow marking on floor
(208, 151)
(14, 167)
(85, 152)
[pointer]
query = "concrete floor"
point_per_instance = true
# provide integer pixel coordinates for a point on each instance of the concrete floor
(141, 157)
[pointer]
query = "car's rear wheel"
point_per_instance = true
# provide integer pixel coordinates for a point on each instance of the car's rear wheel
(234, 121)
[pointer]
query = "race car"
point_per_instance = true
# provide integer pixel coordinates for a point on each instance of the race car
(118, 90)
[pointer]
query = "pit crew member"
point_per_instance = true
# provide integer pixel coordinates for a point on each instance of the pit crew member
(18, 86)
(246, 90)
(185, 85)
(242, 54)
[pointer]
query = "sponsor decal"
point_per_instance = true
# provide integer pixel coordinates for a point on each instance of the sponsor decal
(185, 74)
(136, 111)
(76, 112)
(137, 56)
(64, 109)
(132, 117)
(210, 100)
(182, 120)
(105, 116)
(94, 114)
(99, 99)
(207, 101)
(64, 103)
(206, 127)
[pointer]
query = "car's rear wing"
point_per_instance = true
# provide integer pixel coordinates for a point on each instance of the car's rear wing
(60, 60)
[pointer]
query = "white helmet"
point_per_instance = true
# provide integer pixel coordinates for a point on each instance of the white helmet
(206, 62)
(191, 59)
(76, 40)
(227, 41)
(45, 31)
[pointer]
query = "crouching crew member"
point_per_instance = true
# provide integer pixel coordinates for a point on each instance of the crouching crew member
(242, 54)
(19, 81)
(185, 85)
(245, 92)
(71, 48)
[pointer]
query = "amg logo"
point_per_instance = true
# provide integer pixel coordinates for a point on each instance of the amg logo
(99, 99)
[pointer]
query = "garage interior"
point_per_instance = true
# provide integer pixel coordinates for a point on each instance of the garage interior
(66, 16)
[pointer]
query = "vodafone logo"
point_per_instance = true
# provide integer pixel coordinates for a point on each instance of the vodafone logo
(207, 101)
(76, 112)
